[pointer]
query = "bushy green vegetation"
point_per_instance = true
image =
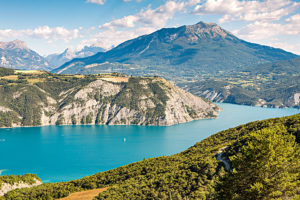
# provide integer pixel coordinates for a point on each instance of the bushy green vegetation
(275, 83)
(30, 95)
(135, 90)
(56, 84)
(7, 118)
(12, 179)
(267, 166)
(192, 174)
(24, 100)
(25, 94)
(6, 71)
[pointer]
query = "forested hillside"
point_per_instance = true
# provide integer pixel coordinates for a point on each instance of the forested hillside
(259, 153)
(37, 98)
(271, 85)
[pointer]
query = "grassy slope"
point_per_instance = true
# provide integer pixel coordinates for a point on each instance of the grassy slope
(192, 173)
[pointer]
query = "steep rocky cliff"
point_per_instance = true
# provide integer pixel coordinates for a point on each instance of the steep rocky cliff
(49, 99)
(12, 182)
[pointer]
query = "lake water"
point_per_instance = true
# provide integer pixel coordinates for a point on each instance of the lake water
(60, 153)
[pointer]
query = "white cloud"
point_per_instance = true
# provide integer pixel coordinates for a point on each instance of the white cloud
(125, 22)
(110, 38)
(131, 0)
(265, 20)
(295, 48)
(128, 27)
(193, 2)
(42, 32)
(267, 10)
(148, 17)
(99, 2)
(261, 30)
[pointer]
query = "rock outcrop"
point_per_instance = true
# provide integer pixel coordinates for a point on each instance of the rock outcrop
(6, 187)
(117, 100)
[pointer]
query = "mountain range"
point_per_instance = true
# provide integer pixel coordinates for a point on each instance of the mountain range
(57, 60)
(202, 58)
(207, 61)
(179, 53)
(17, 55)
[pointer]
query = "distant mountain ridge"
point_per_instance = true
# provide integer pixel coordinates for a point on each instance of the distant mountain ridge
(57, 60)
(17, 55)
(183, 52)
(16, 44)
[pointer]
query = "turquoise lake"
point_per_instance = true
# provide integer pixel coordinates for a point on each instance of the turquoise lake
(61, 153)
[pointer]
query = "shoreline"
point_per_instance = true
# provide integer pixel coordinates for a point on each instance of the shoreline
(110, 124)
(217, 103)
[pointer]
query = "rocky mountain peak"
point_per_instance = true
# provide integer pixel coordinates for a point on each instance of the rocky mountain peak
(204, 47)
(61, 58)
(208, 30)
(68, 53)
(16, 44)
(204, 25)
(17, 55)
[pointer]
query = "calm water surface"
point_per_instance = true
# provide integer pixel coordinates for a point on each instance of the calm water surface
(60, 153)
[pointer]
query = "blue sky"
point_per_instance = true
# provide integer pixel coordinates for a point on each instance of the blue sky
(51, 26)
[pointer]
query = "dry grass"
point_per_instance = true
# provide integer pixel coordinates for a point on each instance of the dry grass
(35, 80)
(11, 77)
(116, 79)
(76, 75)
(85, 195)
(29, 71)
(79, 76)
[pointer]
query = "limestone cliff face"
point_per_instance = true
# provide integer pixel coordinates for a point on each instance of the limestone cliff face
(135, 100)
(6, 187)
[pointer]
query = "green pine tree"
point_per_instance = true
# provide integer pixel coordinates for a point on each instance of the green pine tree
(267, 167)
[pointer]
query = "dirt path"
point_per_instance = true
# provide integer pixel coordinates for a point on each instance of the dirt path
(85, 195)
(224, 160)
